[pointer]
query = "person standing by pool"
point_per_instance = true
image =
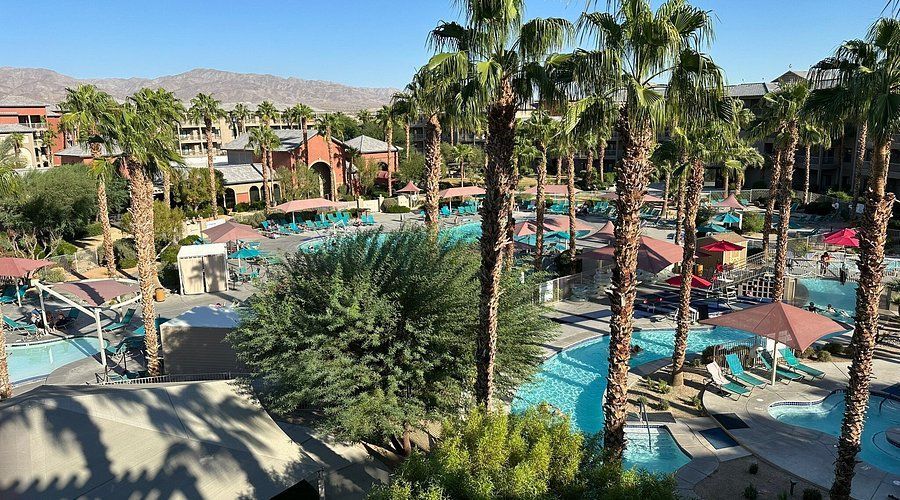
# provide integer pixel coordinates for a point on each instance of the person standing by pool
(823, 263)
(843, 274)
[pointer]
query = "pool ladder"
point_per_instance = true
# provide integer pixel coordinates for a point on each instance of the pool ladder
(646, 420)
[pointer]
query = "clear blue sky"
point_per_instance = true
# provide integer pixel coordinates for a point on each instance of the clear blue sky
(363, 42)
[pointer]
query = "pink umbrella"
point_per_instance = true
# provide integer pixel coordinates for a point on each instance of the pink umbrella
(231, 231)
(13, 267)
(304, 205)
(561, 223)
(553, 189)
(653, 255)
(730, 202)
(843, 237)
(696, 281)
(409, 188)
(721, 247)
(458, 192)
(606, 234)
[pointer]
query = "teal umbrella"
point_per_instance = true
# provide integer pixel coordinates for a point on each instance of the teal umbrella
(550, 238)
(728, 218)
(245, 253)
(711, 228)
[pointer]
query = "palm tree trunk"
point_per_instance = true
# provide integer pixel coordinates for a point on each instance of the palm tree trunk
(265, 177)
(739, 182)
(142, 225)
(872, 236)
(303, 125)
(294, 183)
(784, 210)
(859, 159)
(167, 187)
(332, 175)
(462, 172)
(5, 386)
(539, 209)
(679, 211)
(271, 184)
(499, 148)
(601, 156)
(726, 176)
(589, 169)
(213, 203)
(109, 257)
(770, 203)
(406, 129)
(692, 200)
(510, 249)
(570, 195)
(806, 178)
(665, 207)
(389, 135)
(559, 167)
(432, 171)
(631, 186)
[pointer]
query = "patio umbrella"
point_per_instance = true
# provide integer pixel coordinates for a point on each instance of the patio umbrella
(730, 202)
(711, 228)
(461, 192)
(606, 233)
(721, 246)
(653, 255)
(551, 238)
(552, 189)
(294, 206)
(783, 323)
(409, 188)
(245, 253)
(13, 267)
(95, 293)
(556, 223)
(843, 237)
(728, 218)
(696, 281)
(231, 231)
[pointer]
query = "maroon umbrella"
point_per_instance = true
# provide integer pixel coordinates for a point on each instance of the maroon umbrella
(606, 234)
(305, 205)
(843, 237)
(409, 188)
(13, 267)
(554, 189)
(730, 202)
(459, 192)
(653, 255)
(696, 281)
(722, 247)
(784, 323)
(97, 292)
(231, 231)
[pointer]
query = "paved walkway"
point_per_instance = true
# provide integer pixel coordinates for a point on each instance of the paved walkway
(804, 452)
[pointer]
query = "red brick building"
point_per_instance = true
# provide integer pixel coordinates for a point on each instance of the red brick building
(31, 121)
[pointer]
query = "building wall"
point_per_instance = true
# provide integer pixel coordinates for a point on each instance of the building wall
(36, 118)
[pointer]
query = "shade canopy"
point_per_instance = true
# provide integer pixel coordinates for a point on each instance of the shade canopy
(843, 237)
(460, 192)
(13, 267)
(711, 228)
(550, 238)
(305, 205)
(409, 188)
(606, 233)
(245, 253)
(231, 231)
(556, 223)
(730, 202)
(721, 246)
(554, 189)
(97, 292)
(648, 198)
(784, 323)
(653, 255)
(728, 218)
(696, 281)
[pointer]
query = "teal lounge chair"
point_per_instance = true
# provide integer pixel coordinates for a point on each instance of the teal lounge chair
(786, 376)
(796, 365)
(9, 295)
(137, 336)
(723, 384)
(445, 212)
(310, 225)
(295, 228)
(15, 326)
(737, 371)
(370, 220)
(126, 319)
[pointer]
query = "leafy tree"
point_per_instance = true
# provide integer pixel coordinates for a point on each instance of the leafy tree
(191, 187)
(307, 182)
(377, 333)
(168, 222)
(412, 168)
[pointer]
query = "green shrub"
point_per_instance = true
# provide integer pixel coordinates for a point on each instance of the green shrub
(168, 277)
(754, 468)
(824, 356)
(704, 214)
(840, 195)
(189, 240)
(65, 248)
(807, 353)
(169, 255)
(642, 400)
(125, 253)
(93, 229)
(834, 348)
(750, 492)
(54, 275)
(663, 387)
(253, 219)
(752, 222)
(396, 209)
(249, 207)
(811, 494)
(663, 405)
(696, 402)
(696, 363)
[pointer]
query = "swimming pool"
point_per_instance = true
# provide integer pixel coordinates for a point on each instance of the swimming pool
(826, 415)
(653, 450)
(822, 292)
(38, 360)
(463, 233)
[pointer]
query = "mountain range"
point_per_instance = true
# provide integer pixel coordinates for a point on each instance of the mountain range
(44, 86)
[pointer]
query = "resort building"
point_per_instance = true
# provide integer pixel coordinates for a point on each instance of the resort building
(376, 152)
(31, 123)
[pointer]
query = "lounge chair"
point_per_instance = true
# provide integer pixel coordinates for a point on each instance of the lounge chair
(118, 325)
(785, 375)
(295, 228)
(796, 365)
(310, 225)
(369, 220)
(445, 212)
(723, 384)
(16, 326)
(137, 336)
(737, 371)
(9, 295)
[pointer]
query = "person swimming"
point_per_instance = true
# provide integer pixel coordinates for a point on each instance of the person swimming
(812, 307)
(830, 309)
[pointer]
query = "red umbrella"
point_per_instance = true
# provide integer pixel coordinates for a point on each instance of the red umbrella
(653, 255)
(556, 189)
(231, 231)
(13, 267)
(730, 202)
(524, 229)
(696, 281)
(843, 237)
(722, 246)
(409, 188)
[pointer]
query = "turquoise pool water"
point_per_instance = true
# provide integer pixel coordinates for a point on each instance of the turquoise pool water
(655, 451)
(32, 361)
(826, 417)
(823, 292)
(463, 233)
(575, 379)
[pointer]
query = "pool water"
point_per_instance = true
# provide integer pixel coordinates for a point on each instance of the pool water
(463, 233)
(38, 360)
(826, 417)
(822, 292)
(654, 451)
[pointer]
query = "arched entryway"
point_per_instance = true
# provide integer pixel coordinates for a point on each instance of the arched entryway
(254, 194)
(324, 172)
(276, 193)
(230, 198)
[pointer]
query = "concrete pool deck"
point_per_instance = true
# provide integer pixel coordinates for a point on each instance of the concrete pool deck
(803, 452)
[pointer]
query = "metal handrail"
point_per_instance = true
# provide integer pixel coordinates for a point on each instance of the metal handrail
(165, 379)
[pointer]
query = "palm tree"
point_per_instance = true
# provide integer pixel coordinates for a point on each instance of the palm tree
(263, 140)
(204, 109)
(9, 161)
(496, 57)
(267, 112)
(146, 134)
(17, 140)
(878, 84)
(405, 112)
(781, 115)
(238, 116)
(303, 114)
(810, 134)
(524, 153)
(743, 156)
(386, 118)
(460, 154)
(88, 111)
(670, 159)
(541, 129)
(48, 136)
(634, 48)
(327, 123)
(364, 116)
